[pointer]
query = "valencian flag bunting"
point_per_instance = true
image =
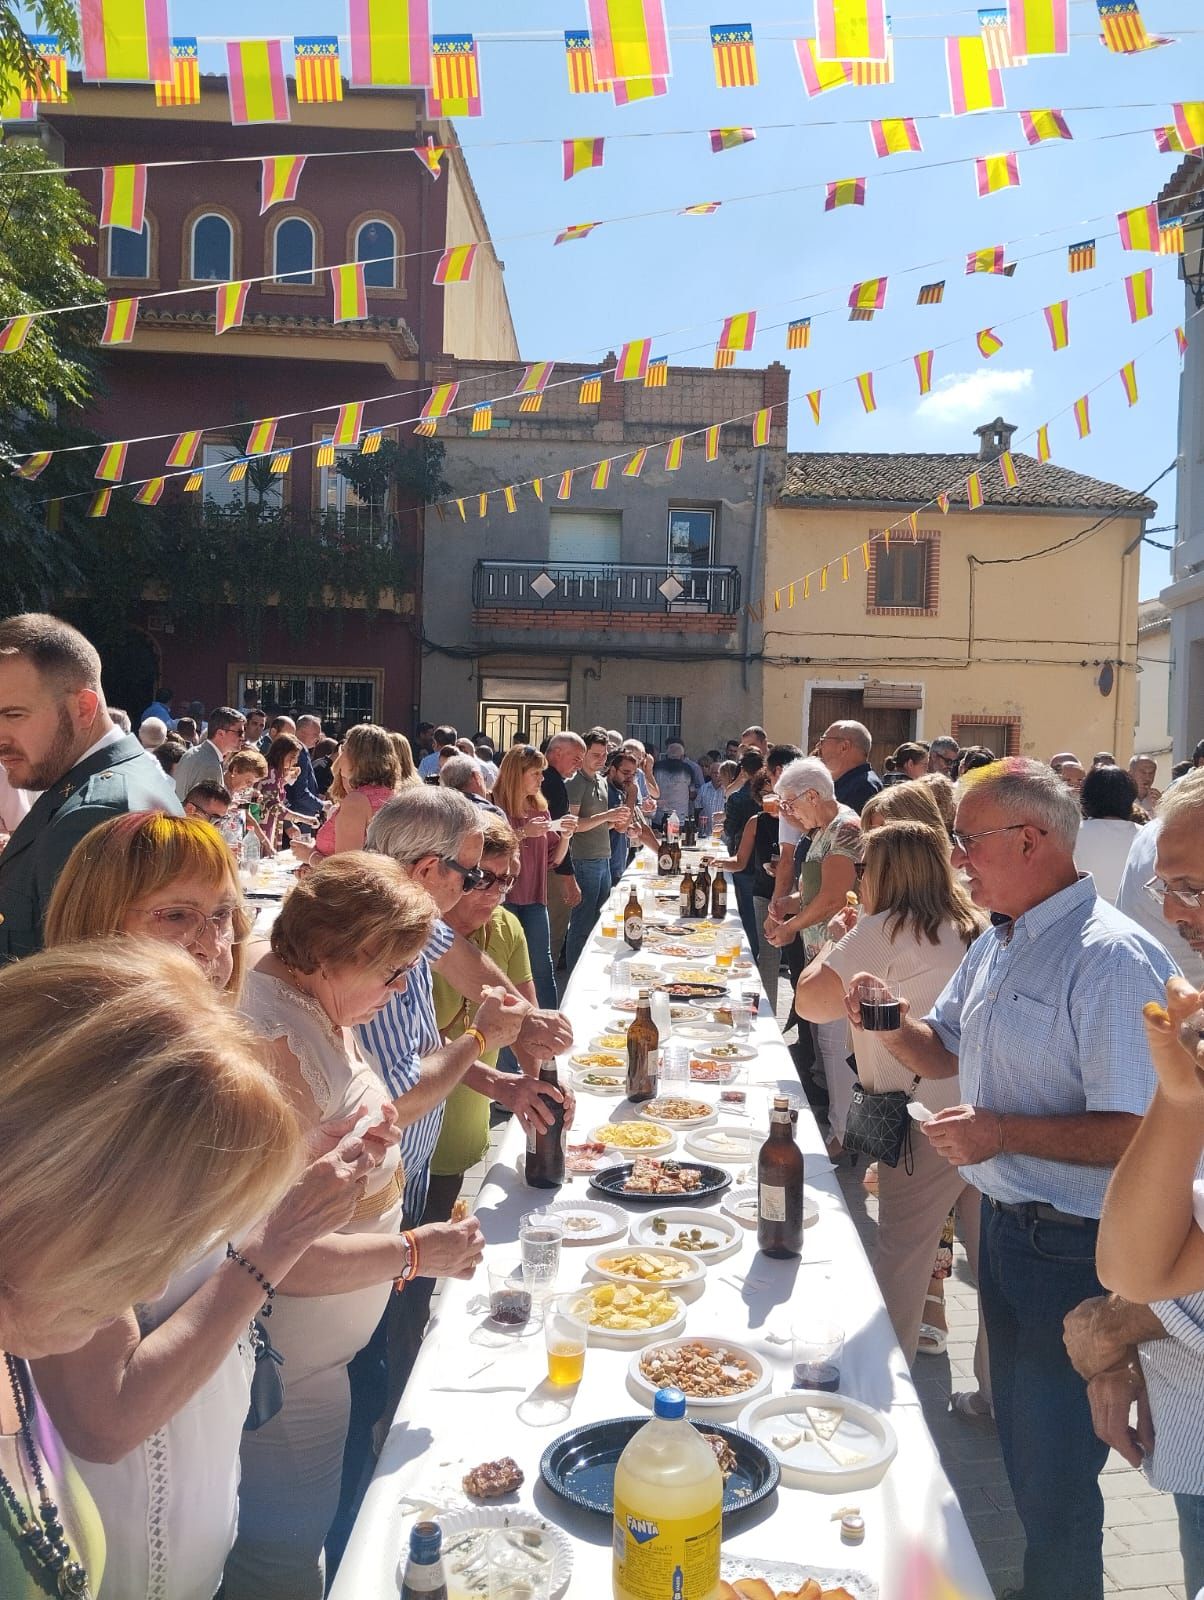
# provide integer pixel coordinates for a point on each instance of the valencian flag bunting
(482, 417)
(1039, 27)
(657, 375)
(844, 192)
(390, 44)
(120, 317)
(319, 80)
(123, 197)
(456, 264)
(894, 135)
(580, 155)
(183, 87)
(931, 294)
(231, 303)
(370, 443)
(989, 343)
(194, 482)
(455, 87)
(183, 452)
(629, 39)
(798, 334)
(426, 430)
(112, 462)
(1170, 237)
(1124, 31)
(632, 364)
(861, 314)
(258, 87)
(125, 41)
(531, 403)
(1139, 295)
(974, 85)
(49, 84)
(579, 59)
(1081, 257)
(992, 173)
(350, 291)
(996, 40)
(730, 138)
(724, 358)
(851, 30)
(590, 391)
(279, 179)
(735, 55)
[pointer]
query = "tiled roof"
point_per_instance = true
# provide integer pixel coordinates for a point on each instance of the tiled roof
(1186, 180)
(822, 478)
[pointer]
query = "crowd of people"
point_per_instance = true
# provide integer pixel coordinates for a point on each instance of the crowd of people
(268, 1137)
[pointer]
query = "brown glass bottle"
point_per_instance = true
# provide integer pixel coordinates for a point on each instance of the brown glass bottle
(702, 891)
(780, 1186)
(545, 1150)
(676, 856)
(718, 897)
(687, 894)
(633, 922)
(643, 1044)
(665, 858)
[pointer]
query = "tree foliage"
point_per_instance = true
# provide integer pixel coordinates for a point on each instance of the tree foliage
(18, 65)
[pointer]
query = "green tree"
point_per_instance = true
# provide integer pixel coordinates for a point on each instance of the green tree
(18, 64)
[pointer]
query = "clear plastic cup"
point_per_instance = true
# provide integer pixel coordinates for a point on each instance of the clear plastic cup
(675, 1062)
(540, 1234)
(509, 1293)
(817, 1345)
(566, 1334)
(727, 949)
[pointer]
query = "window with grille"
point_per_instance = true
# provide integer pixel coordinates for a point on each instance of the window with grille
(339, 699)
(654, 719)
(997, 733)
(901, 574)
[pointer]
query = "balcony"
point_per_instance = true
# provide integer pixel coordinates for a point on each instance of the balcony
(618, 590)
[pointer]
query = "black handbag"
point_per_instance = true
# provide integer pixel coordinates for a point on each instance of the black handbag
(267, 1381)
(878, 1125)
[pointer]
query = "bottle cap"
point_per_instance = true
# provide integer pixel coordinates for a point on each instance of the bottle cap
(426, 1541)
(644, 993)
(852, 1528)
(781, 1103)
(670, 1403)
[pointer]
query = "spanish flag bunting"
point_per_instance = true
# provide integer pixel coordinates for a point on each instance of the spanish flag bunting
(426, 430)
(735, 55)
(865, 556)
(942, 501)
(150, 492)
(1007, 467)
(34, 465)
(455, 86)
(390, 43)
(823, 579)
(1038, 126)
(508, 497)
(370, 443)
(531, 403)
(120, 317)
(123, 197)
(347, 422)
(633, 361)
(262, 436)
(798, 334)
(1181, 341)
(844, 192)
(16, 106)
(730, 138)
(194, 482)
(456, 264)
(1189, 123)
(440, 401)
(1124, 31)
(673, 454)
(574, 231)
(579, 59)
(724, 358)
(974, 85)
(762, 422)
(580, 155)
(319, 79)
(893, 136)
(923, 365)
(482, 417)
(1139, 293)
(705, 208)
(535, 378)
(1082, 416)
(868, 296)
(1081, 257)
(279, 179)
(183, 452)
(125, 41)
(537, 486)
(990, 260)
(183, 87)
(865, 388)
(349, 281)
(14, 334)
(49, 85)
(258, 86)
(1039, 27)
(712, 441)
(460, 509)
(974, 491)
(807, 586)
(98, 506)
(636, 464)
(777, 599)
(1043, 442)
(993, 24)
(590, 392)
(565, 491)
(112, 462)
(992, 173)
(628, 91)
(790, 597)
(1138, 228)
(629, 39)
(844, 569)
(431, 155)
(989, 343)
(813, 400)
(1057, 320)
(281, 462)
(931, 294)
(850, 30)
(913, 522)
(601, 475)
(820, 76)
(1168, 140)
(1170, 237)
(237, 470)
(482, 505)
(657, 375)
(1128, 380)
(739, 331)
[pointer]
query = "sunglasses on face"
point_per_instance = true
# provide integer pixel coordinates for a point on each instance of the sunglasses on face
(471, 877)
(492, 880)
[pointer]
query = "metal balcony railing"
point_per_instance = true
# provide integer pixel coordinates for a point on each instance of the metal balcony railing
(606, 586)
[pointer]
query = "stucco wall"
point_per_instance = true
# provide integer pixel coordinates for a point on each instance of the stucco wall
(477, 325)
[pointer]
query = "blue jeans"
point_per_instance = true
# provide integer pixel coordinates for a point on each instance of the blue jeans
(1030, 1274)
(534, 919)
(748, 916)
(1191, 1541)
(593, 879)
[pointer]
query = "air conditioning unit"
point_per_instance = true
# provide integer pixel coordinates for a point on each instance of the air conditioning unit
(879, 696)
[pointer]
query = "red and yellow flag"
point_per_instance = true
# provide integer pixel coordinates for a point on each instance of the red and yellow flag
(735, 55)
(183, 87)
(974, 85)
(989, 260)
(319, 79)
(579, 60)
(509, 499)
(627, 91)
(535, 379)
(1181, 341)
(865, 388)
(813, 400)
(482, 504)
(712, 441)
(1168, 140)
(1128, 380)
(633, 361)
(629, 39)
(231, 303)
(263, 436)
(98, 506)
(730, 138)
(739, 331)
(455, 87)
(150, 493)
(431, 155)
(762, 423)
(120, 317)
(350, 291)
(636, 464)
(1057, 320)
(992, 173)
(14, 334)
(580, 155)
(1189, 123)
(440, 401)
(112, 462)
(1007, 466)
(673, 454)
(942, 502)
(125, 41)
(657, 375)
(482, 417)
(820, 76)
(34, 465)
(868, 296)
(1043, 442)
(974, 491)
(390, 43)
(894, 135)
(123, 197)
(590, 391)
(456, 264)
(851, 30)
(923, 365)
(1139, 228)
(1139, 294)
(258, 86)
(565, 489)
(844, 192)
(1082, 416)
(575, 231)
(601, 475)
(347, 423)
(279, 178)
(537, 489)
(1037, 126)
(989, 343)
(183, 452)
(1039, 27)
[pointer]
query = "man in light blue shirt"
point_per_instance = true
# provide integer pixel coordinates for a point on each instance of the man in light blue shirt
(428, 767)
(1043, 1024)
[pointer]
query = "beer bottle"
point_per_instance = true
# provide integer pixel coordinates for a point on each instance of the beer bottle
(702, 891)
(664, 860)
(633, 921)
(780, 1186)
(689, 835)
(643, 1042)
(676, 857)
(687, 894)
(545, 1150)
(718, 897)
(424, 1577)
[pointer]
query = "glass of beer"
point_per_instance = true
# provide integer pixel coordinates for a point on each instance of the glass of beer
(565, 1334)
(727, 948)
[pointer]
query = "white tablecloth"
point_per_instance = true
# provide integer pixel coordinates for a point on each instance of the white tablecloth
(461, 1404)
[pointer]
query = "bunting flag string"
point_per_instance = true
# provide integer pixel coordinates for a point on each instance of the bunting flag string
(150, 493)
(98, 505)
(574, 231)
(1007, 467)
(1128, 379)
(183, 452)
(633, 361)
(390, 44)
(125, 41)
(1139, 294)
(1189, 123)
(989, 343)
(508, 496)
(923, 366)
(865, 387)
(350, 292)
(845, 192)
(1138, 228)
(1169, 141)
(319, 75)
(1057, 320)
(739, 332)
(440, 401)
(673, 454)
(455, 264)
(262, 437)
(992, 173)
(580, 155)
(123, 197)
(974, 491)
(183, 85)
(112, 462)
(636, 464)
(730, 138)
(565, 490)
(1082, 416)
(278, 181)
(601, 475)
(1040, 126)
(762, 423)
(33, 466)
(535, 378)
(119, 321)
(231, 303)
(1043, 442)
(257, 83)
(735, 55)
(348, 423)
(974, 85)
(712, 442)
(868, 296)
(706, 208)
(894, 136)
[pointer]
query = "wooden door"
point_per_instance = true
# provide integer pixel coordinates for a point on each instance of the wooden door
(888, 727)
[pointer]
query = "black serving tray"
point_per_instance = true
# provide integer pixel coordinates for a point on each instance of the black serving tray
(609, 1181)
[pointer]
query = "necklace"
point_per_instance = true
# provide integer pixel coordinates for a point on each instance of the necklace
(44, 1545)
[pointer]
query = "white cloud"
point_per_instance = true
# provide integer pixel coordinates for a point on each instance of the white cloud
(973, 397)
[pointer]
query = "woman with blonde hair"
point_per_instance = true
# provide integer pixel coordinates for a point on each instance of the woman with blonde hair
(366, 774)
(916, 925)
(405, 760)
(544, 845)
(188, 1141)
(912, 801)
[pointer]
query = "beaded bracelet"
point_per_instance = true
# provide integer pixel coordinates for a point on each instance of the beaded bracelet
(410, 1270)
(248, 1266)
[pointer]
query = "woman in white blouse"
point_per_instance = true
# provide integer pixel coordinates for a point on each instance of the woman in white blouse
(1108, 828)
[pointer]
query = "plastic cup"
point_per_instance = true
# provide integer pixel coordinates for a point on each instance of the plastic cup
(745, 1003)
(566, 1334)
(675, 1062)
(727, 949)
(879, 1009)
(817, 1345)
(509, 1294)
(620, 979)
(540, 1234)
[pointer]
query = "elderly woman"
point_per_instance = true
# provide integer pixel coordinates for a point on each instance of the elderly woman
(808, 799)
(366, 774)
(544, 846)
(189, 1141)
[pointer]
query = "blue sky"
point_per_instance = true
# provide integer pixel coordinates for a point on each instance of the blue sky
(677, 277)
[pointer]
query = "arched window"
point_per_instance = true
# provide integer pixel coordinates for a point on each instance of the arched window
(376, 243)
(129, 252)
(212, 249)
(293, 251)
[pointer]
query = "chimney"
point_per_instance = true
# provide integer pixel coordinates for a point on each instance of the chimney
(994, 438)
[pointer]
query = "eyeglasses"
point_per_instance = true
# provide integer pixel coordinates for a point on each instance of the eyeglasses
(1158, 891)
(401, 972)
(491, 880)
(185, 924)
(965, 842)
(470, 876)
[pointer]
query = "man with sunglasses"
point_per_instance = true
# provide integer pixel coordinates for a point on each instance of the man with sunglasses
(1043, 1022)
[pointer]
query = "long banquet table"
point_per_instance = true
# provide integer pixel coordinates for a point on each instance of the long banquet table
(463, 1401)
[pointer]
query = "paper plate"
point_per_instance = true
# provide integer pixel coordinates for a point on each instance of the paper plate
(702, 1032)
(609, 1221)
(692, 1269)
(603, 1134)
(791, 1575)
(742, 1204)
(465, 1560)
(632, 1338)
(703, 1119)
(729, 1143)
(731, 1050)
(728, 1235)
(580, 1081)
(645, 1388)
(806, 1461)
